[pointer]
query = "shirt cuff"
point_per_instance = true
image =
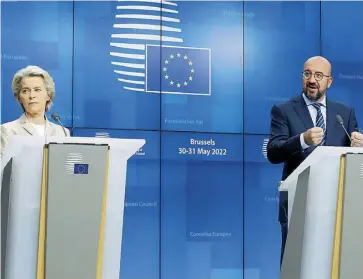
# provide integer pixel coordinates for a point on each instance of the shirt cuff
(302, 142)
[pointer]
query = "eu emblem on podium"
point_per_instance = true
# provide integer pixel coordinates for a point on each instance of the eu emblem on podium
(80, 169)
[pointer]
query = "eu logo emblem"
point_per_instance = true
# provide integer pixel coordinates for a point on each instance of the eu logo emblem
(80, 169)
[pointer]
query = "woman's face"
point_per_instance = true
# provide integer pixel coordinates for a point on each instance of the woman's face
(33, 95)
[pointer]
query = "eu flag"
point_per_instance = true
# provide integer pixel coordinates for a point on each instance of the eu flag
(80, 169)
(178, 70)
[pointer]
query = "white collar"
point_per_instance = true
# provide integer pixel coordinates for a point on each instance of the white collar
(309, 102)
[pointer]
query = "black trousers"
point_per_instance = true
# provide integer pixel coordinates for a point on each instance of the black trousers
(283, 240)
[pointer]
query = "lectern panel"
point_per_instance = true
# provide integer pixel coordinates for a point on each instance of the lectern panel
(5, 203)
(75, 211)
(351, 254)
(293, 255)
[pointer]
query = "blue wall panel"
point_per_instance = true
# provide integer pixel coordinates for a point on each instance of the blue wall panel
(37, 33)
(218, 107)
(262, 236)
(202, 206)
(96, 86)
(279, 38)
(342, 44)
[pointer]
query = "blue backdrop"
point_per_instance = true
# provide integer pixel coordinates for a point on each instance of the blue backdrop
(196, 80)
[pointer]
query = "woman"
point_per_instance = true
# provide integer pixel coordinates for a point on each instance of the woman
(34, 89)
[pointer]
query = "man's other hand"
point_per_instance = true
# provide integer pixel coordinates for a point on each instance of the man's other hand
(314, 136)
(357, 139)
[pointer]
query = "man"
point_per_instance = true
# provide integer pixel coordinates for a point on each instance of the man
(306, 121)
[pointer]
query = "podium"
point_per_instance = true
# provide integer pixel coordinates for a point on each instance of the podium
(62, 203)
(325, 224)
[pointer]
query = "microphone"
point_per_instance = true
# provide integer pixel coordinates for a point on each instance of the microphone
(340, 121)
(57, 118)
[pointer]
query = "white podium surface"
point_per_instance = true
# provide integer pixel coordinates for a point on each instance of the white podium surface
(320, 213)
(320, 219)
(23, 226)
(313, 160)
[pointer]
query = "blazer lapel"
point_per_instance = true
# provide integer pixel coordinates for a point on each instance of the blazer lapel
(26, 125)
(303, 111)
(49, 128)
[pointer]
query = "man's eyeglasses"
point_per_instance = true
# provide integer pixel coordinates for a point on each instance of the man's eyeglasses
(318, 75)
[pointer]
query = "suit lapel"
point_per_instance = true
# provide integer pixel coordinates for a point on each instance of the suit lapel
(303, 111)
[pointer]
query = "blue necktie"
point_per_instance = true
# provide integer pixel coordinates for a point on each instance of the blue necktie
(320, 120)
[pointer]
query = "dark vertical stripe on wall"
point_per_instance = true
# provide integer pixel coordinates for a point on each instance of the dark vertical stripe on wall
(243, 141)
(160, 202)
(160, 159)
(73, 58)
(321, 28)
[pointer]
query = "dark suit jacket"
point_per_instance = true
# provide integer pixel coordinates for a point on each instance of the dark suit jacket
(288, 121)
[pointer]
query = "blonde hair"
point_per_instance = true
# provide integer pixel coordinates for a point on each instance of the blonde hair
(34, 71)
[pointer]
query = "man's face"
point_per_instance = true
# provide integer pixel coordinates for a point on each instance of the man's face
(316, 79)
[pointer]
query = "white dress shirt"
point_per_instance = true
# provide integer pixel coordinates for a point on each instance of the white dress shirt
(313, 112)
(40, 129)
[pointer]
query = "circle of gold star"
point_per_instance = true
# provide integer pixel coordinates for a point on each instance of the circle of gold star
(178, 83)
